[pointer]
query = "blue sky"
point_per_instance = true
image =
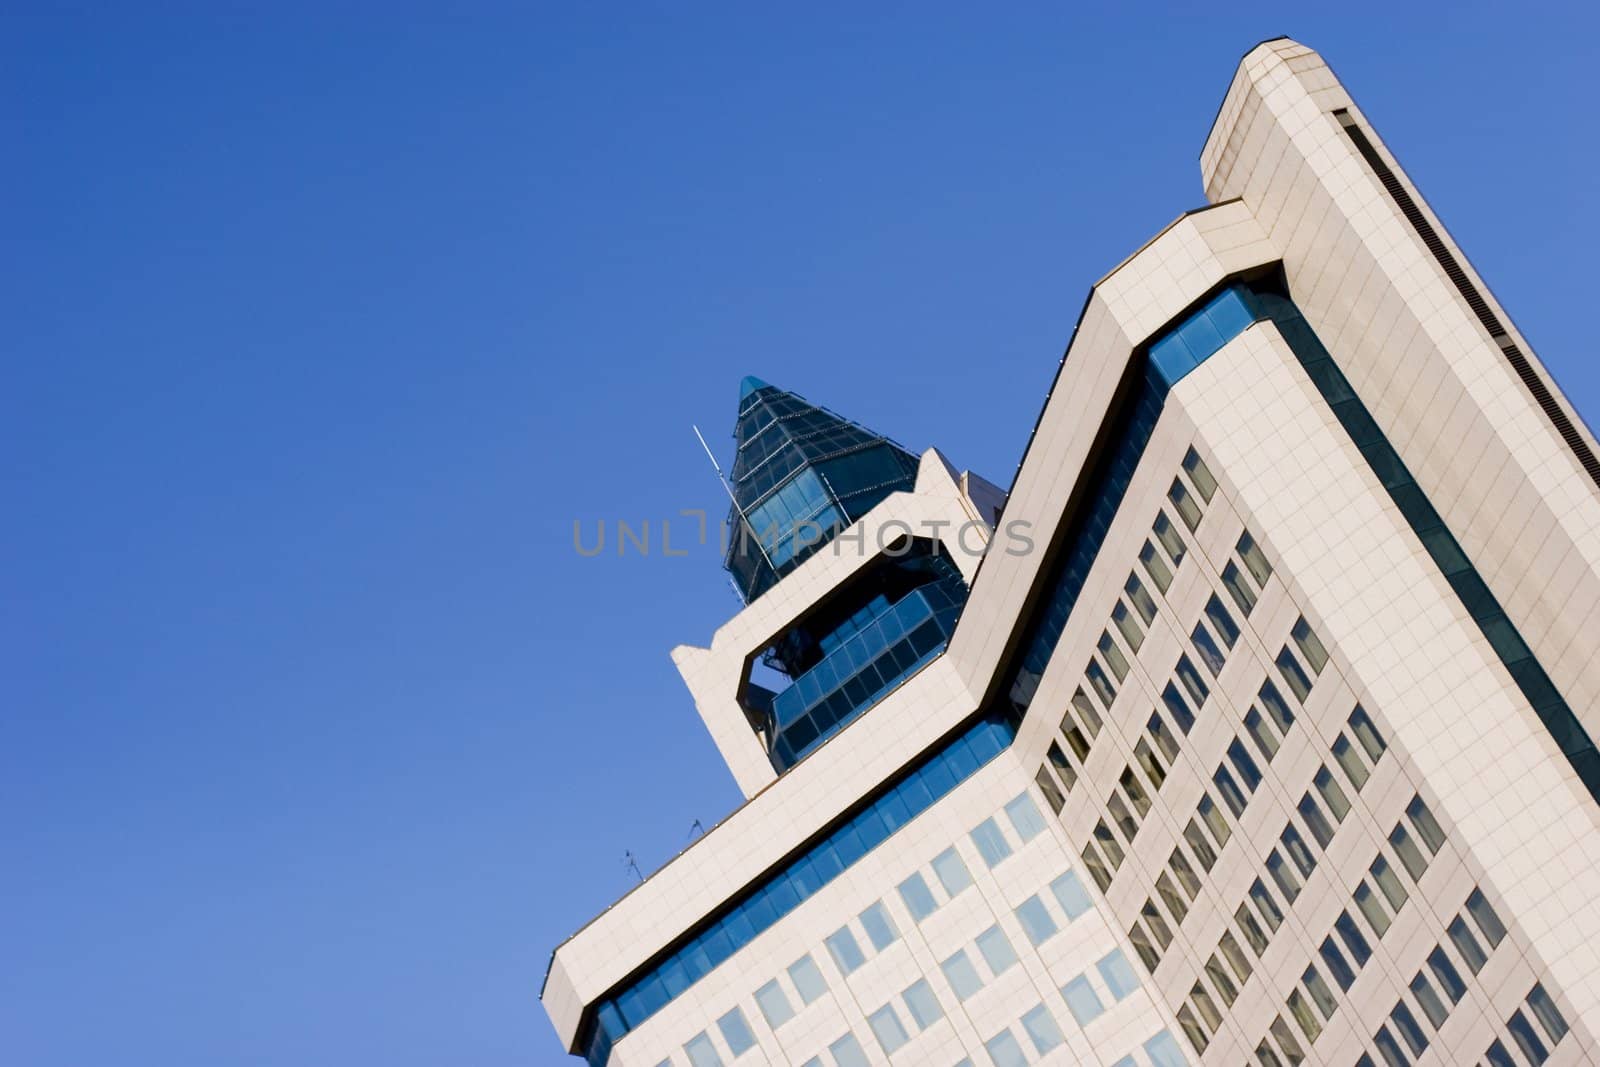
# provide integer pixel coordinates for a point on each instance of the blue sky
(322, 326)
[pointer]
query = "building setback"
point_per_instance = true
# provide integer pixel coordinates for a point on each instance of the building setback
(1255, 724)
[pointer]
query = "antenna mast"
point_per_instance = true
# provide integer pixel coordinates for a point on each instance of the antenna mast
(735, 500)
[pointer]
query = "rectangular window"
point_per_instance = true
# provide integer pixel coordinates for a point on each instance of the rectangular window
(736, 1032)
(807, 979)
(1337, 965)
(1254, 936)
(1266, 905)
(1411, 856)
(1389, 1048)
(1170, 539)
(1221, 980)
(1427, 826)
(1140, 598)
(1310, 645)
(1294, 675)
(1177, 708)
(1199, 474)
(1156, 566)
(1192, 1030)
(1332, 793)
(1172, 898)
(1445, 973)
(1263, 736)
(1321, 829)
(1253, 558)
(1267, 1056)
(1112, 654)
(701, 1051)
(952, 873)
(774, 1005)
(1145, 948)
(1238, 587)
(921, 1004)
(1228, 945)
(1075, 738)
(1108, 844)
(1230, 792)
(1545, 1010)
(1148, 762)
(1362, 726)
(1085, 709)
(1285, 1038)
(888, 1029)
(847, 955)
(1157, 923)
(1321, 995)
(1096, 867)
(1344, 754)
(1466, 945)
(1222, 622)
(1300, 1011)
(1212, 816)
(1127, 626)
(1052, 792)
(1494, 931)
(1190, 677)
(1063, 768)
(1183, 504)
(1100, 684)
(1528, 1041)
(1071, 895)
(1429, 1001)
(1367, 903)
(1210, 654)
(1122, 817)
(1282, 876)
(1164, 738)
(962, 975)
(1200, 846)
(1249, 773)
(879, 925)
(990, 842)
(1025, 817)
(1409, 1029)
(1036, 921)
(1275, 706)
(996, 951)
(1200, 997)
(1082, 1000)
(846, 1052)
(1295, 847)
(1497, 1056)
(917, 897)
(1353, 939)
(1004, 1051)
(1163, 1051)
(1185, 874)
(1394, 891)
(1041, 1029)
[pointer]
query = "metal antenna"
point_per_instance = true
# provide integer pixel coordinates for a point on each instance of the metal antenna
(735, 500)
(632, 864)
(697, 828)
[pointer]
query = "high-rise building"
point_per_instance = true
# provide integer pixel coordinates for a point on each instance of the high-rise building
(1254, 725)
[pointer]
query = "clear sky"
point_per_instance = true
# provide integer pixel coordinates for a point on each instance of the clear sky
(322, 326)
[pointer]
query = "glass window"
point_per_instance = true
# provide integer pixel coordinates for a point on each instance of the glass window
(1362, 726)
(962, 975)
(1467, 945)
(1100, 684)
(1230, 792)
(1140, 598)
(1122, 816)
(888, 1029)
(1163, 1051)
(1212, 816)
(1254, 936)
(1367, 903)
(1108, 844)
(917, 897)
(1127, 626)
(846, 1052)
(807, 979)
(1041, 1028)
(701, 1051)
(1300, 1011)
(1285, 1038)
(1053, 795)
(1193, 1030)
(1222, 622)
(880, 927)
(1489, 923)
(1249, 773)
(1411, 856)
(1111, 652)
(1239, 588)
(1298, 851)
(1096, 867)
(1406, 1024)
(1004, 1051)
(1332, 794)
(1071, 895)
(1549, 1016)
(842, 947)
(1497, 1056)
(1058, 760)
(1266, 905)
(1157, 923)
(1171, 898)
(1250, 552)
(1267, 1056)
(991, 842)
(1228, 945)
(1117, 974)
(1146, 949)
(922, 1005)
(1275, 706)
(1315, 821)
(1310, 645)
(1428, 999)
(952, 873)
(1445, 973)
(1184, 504)
(1190, 677)
(1199, 474)
(1337, 965)
(1221, 980)
(1528, 1041)
(1130, 785)
(1025, 817)
(996, 950)
(1082, 1000)
(1187, 878)
(1428, 828)
(1344, 754)
(1282, 876)
(1165, 740)
(774, 1005)
(1085, 709)
(1266, 740)
(1321, 995)
(1394, 891)
(1200, 997)
(1156, 566)
(1294, 675)
(1199, 845)
(1353, 939)
(736, 1032)
(1389, 1048)
(1210, 654)
(1036, 921)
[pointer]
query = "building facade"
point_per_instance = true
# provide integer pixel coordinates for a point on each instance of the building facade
(1254, 725)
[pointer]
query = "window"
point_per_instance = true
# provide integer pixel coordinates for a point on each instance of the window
(1100, 684)
(1545, 1010)
(1157, 923)
(1337, 965)
(1170, 897)
(1025, 817)
(952, 873)
(1315, 821)
(1096, 867)
(1004, 1050)
(1222, 622)
(1445, 973)
(1254, 936)
(1353, 940)
(1528, 1041)
(1082, 1000)
(1181, 870)
(1164, 738)
(1371, 910)
(1344, 754)
(917, 897)
(1199, 474)
(1309, 644)
(1497, 1056)
(1127, 626)
(1428, 999)
(1141, 600)
(1427, 826)
(1112, 654)
(1406, 1024)
(1164, 1052)
(1070, 894)
(1140, 939)
(1267, 1056)
(1489, 923)
(1249, 773)
(996, 950)
(1108, 844)
(1221, 980)
(1321, 995)
(1041, 1028)
(1199, 845)
(1085, 709)
(1052, 793)
(1184, 504)
(1210, 654)
(1036, 921)
(1394, 891)
(1156, 567)
(1300, 1011)
(1117, 974)
(880, 927)
(736, 1032)
(1193, 1030)
(1230, 792)
(1190, 677)
(1361, 725)
(1411, 856)
(1467, 945)
(1147, 760)
(1122, 816)
(1275, 706)
(701, 1052)
(1177, 708)
(1294, 675)
(774, 1005)
(888, 1029)
(842, 947)
(962, 975)
(1285, 1037)
(1295, 847)
(846, 1052)
(1130, 785)
(1238, 588)
(1257, 564)
(1332, 793)
(1214, 820)
(807, 979)
(1389, 1048)
(1229, 947)
(1266, 905)
(991, 843)
(1282, 876)
(1058, 760)
(1265, 739)
(1201, 999)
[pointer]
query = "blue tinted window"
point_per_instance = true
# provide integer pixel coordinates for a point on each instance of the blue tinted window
(847, 955)
(847, 1052)
(962, 975)
(996, 950)
(1117, 974)
(917, 897)
(922, 1005)
(701, 1052)
(1036, 921)
(1042, 1029)
(807, 979)
(991, 842)
(1004, 1051)
(736, 1032)
(1025, 817)
(887, 1028)
(953, 874)
(1071, 895)
(774, 1005)
(1082, 1000)
(880, 926)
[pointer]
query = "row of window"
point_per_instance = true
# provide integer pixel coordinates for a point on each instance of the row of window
(1539, 1004)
